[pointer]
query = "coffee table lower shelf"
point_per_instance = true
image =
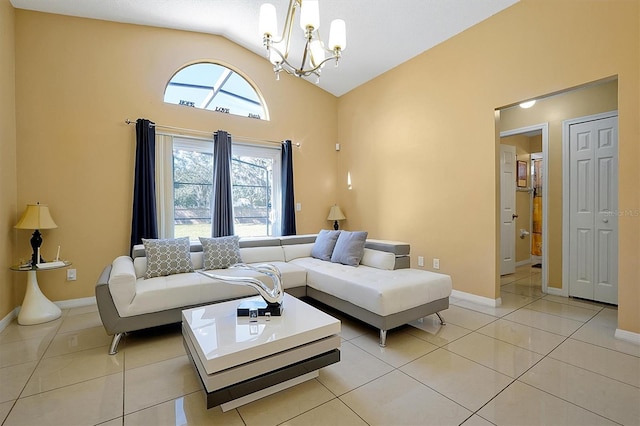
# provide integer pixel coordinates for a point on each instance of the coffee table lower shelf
(252, 389)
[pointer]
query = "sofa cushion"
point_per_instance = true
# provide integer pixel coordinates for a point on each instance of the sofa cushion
(167, 257)
(262, 254)
(378, 259)
(349, 248)
(221, 252)
(294, 251)
(379, 291)
(161, 293)
(324, 244)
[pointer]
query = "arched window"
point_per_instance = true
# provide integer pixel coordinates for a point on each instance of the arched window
(216, 88)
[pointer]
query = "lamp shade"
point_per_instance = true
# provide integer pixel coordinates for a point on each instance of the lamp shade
(335, 213)
(310, 15)
(36, 216)
(337, 35)
(268, 23)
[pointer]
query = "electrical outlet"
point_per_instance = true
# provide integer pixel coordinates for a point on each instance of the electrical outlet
(298, 207)
(420, 260)
(71, 274)
(436, 263)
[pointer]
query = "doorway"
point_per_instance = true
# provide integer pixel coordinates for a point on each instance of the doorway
(528, 242)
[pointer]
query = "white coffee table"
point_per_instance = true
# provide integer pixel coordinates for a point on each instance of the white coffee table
(240, 361)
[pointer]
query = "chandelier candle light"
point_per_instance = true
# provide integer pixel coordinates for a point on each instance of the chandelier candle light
(313, 56)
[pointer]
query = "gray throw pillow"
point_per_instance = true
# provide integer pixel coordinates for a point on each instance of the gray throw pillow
(167, 257)
(349, 248)
(325, 242)
(220, 252)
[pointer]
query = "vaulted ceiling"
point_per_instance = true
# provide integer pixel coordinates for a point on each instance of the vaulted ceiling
(381, 34)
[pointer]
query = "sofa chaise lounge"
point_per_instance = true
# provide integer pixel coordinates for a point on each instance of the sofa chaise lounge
(382, 290)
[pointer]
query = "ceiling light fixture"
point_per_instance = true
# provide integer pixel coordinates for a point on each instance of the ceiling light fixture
(314, 53)
(528, 104)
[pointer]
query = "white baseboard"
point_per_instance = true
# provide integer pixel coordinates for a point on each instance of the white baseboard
(476, 299)
(523, 262)
(4, 322)
(629, 336)
(62, 304)
(76, 303)
(556, 291)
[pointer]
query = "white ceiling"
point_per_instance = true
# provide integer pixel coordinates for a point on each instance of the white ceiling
(381, 34)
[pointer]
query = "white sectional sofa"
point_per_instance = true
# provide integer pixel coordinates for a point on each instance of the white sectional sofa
(382, 290)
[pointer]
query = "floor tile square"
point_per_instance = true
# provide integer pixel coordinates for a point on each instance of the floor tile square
(459, 379)
(190, 409)
(397, 399)
(65, 370)
(401, 347)
(606, 397)
(495, 354)
(521, 404)
(356, 367)
(523, 336)
(13, 379)
(334, 412)
(562, 310)
(432, 331)
(546, 322)
(613, 364)
(87, 403)
(160, 382)
(286, 404)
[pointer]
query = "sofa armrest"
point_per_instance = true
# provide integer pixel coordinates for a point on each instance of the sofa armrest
(122, 281)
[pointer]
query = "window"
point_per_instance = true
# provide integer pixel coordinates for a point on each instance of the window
(215, 88)
(255, 175)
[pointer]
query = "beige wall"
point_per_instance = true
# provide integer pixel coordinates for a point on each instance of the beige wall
(8, 183)
(589, 100)
(77, 81)
(420, 140)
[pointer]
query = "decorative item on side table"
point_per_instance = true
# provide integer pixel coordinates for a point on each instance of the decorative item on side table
(336, 214)
(272, 304)
(36, 217)
(36, 308)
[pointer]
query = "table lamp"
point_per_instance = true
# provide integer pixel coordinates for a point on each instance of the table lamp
(336, 214)
(36, 217)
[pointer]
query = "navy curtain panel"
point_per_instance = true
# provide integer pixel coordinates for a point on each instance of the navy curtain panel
(221, 200)
(288, 203)
(144, 222)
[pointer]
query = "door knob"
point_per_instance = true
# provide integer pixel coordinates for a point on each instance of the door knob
(513, 216)
(605, 220)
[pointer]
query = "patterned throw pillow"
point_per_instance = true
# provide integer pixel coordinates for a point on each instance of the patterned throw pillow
(167, 257)
(221, 252)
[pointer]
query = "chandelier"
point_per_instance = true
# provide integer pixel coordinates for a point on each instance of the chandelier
(314, 55)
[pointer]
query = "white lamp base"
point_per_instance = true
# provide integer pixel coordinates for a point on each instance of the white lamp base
(36, 308)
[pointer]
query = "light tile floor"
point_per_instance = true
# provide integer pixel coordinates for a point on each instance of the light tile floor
(537, 359)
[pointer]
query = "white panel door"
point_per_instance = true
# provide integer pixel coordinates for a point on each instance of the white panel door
(593, 231)
(507, 209)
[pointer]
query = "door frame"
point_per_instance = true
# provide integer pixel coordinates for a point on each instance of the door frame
(544, 129)
(566, 188)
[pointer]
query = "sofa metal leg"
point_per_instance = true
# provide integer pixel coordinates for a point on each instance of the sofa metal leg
(383, 338)
(114, 343)
(441, 319)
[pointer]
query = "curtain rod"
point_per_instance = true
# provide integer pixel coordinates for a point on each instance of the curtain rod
(180, 129)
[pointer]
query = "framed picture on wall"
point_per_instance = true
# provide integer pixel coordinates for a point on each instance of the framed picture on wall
(522, 174)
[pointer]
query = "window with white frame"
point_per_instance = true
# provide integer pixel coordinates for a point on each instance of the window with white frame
(255, 176)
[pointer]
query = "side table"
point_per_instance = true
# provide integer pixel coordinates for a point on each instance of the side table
(36, 308)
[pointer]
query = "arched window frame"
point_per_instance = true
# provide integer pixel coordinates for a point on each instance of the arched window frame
(215, 89)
